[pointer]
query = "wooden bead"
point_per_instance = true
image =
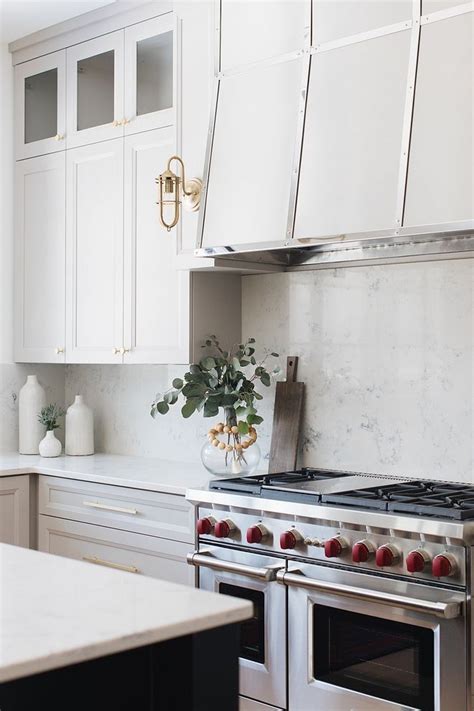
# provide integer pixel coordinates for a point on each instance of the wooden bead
(226, 429)
(212, 431)
(235, 429)
(220, 426)
(215, 442)
(221, 445)
(238, 446)
(228, 448)
(245, 444)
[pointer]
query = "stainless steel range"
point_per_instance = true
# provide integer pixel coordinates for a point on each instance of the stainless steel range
(361, 588)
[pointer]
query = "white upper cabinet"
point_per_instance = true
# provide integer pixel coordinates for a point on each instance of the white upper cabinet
(252, 158)
(95, 90)
(440, 185)
(335, 19)
(40, 105)
(156, 294)
(349, 176)
(150, 74)
(95, 253)
(40, 256)
(254, 30)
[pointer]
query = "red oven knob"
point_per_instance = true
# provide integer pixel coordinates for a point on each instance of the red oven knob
(256, 534)
(443, 565)
(334, 546)
(223, 529)
(205, 526)
(385, 556)
(290, 539)
(416, 561)
(362, 551)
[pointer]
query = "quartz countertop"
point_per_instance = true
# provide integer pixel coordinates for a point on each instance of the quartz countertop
(56, 611)
(136, 472)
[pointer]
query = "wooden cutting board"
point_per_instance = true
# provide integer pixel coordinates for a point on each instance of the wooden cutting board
(286, 420)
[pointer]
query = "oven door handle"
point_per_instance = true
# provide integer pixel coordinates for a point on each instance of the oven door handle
(206, 560)
(447, 610)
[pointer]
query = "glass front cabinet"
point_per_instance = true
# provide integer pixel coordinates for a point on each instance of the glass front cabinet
(40, 98)
(121, 83)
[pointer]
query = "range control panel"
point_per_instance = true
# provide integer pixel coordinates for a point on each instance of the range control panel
(355, 548)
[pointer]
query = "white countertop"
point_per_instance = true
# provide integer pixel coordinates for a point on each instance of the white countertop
(136, 472)
(55, 611)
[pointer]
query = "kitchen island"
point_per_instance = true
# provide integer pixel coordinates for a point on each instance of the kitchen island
(78, 636)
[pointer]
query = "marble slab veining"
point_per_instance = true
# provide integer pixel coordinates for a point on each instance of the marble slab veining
(56, 611)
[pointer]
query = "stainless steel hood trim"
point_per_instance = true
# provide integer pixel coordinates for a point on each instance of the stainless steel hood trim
(456, 238)
(455, 530)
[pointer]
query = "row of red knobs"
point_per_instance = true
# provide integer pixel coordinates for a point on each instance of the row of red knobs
(384, 556)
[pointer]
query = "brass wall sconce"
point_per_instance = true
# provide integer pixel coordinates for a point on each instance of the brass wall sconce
(174, 190)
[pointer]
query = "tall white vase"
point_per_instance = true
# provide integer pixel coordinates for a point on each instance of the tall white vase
(32, 399)
(79, 428)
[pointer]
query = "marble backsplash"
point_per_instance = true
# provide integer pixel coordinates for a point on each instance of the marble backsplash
(386, 352)
(12, 379)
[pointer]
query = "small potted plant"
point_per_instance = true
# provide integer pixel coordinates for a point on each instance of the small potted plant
(50, 446)
(219, 382)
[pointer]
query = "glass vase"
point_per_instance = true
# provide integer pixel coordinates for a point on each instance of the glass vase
(229, 453)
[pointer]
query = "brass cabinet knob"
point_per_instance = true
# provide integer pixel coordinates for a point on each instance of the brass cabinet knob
(59, 350)
(116, 123)
(116, 351)
(58, 137)
(125, 121)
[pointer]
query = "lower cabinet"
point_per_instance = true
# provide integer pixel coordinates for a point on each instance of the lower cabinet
(15, 510)
(111, 548)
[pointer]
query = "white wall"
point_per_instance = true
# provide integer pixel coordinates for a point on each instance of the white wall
(13, 376)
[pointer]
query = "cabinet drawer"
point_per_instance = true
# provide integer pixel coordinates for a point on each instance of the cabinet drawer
(132, 552)
(136, 510)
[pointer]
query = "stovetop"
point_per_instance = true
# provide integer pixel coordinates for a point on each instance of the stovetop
(361, 491)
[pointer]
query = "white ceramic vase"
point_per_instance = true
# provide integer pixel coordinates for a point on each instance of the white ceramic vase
(79, 428)
(50, 446)
(32, 399)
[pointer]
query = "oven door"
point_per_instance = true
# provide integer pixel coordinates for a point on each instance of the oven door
(263, 638)
(361, 643)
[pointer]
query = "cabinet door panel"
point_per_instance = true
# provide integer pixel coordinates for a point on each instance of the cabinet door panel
(143, 555)
(252, 30)
(352, 143)
(150, 74)
(40, 105)
(40, 259)
(334, 19)
(440, 184)
(252, 156)
(95, 88)
(156, 293)
(15, 511)
(95, 253)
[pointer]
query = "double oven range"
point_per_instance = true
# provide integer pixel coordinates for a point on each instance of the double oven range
(361, 587)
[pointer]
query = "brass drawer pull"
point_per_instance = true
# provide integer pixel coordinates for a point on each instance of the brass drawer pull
(106, 507)
(109, 564)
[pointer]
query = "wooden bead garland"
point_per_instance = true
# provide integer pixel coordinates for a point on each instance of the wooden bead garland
(220, 428)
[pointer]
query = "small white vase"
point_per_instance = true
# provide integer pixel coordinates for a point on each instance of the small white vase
(50, 446)
(32, 399)
(79, 428)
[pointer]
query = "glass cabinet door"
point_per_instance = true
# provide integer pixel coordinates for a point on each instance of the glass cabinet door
(150, 71)
(95, 90)
(40, 105)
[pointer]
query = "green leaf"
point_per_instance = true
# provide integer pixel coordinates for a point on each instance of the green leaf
(177, 383)
(229, 400)
(275, 355)
(208, 363)
(211, 408)
(240, 410)
(189, 407)
(194, 369)
(254, 419)
(235, 362)
(265, 378)
(243, 427)
(257, 396)
(171, 397)
(162, 407)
